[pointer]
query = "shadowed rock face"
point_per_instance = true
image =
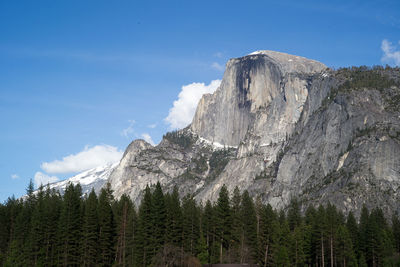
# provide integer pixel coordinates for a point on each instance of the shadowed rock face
(293, 128)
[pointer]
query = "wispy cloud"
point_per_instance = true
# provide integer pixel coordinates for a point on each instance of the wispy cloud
(217, 66)
(43, 179)
(182, 112)
(129, 130)
(14, 176)
(391, 54)
(152, 126)
(219, 54)
(146, 137)
(89, 157)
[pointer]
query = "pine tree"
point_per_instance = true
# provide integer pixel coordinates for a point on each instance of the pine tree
(237, 227)
(159, 218)
(69, 232)
(294, 216)
(352, 228)
(223, 213)
(173, 219)
(249, 246)
(362, 233)
(268, 232)
(106, 227)
(190, 224)
(208, 226)
(144, 242)
(332, 221)
(90, 231)
(36, 240)
(396, 232)
(345, 252)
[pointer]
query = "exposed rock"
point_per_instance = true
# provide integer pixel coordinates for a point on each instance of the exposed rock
(282, 126)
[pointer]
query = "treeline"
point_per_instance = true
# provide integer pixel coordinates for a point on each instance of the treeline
(46, 229)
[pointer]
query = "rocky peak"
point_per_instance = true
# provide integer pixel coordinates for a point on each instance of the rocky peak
(265, 82)
(291, 63)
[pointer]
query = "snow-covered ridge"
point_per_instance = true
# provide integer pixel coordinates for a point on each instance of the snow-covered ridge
(93, 178)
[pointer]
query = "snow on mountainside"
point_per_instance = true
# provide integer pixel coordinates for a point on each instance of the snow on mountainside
(93, 178)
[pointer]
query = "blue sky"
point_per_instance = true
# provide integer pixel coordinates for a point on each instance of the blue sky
(82, 79)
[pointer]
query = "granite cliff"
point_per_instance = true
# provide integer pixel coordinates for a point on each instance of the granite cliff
(282, 126)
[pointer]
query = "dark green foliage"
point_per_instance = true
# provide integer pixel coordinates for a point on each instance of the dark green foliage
(190, 225)
(173, 219)
(364, 77)
(218, 161)
(90, 231)
(224, 223)
(159, 218)
(183, 140)
(201, 164)
(69, 232)
(106, 227)
(249, 224)
(85, 231)
(145, 247)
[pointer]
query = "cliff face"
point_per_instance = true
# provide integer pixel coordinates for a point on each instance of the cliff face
(282, 126)
(255, 91)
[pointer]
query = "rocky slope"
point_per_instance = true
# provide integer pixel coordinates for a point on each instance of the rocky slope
(282, 126)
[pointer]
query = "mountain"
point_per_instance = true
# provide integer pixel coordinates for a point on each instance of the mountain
(94, 178)
(282, 126)
(279, 126)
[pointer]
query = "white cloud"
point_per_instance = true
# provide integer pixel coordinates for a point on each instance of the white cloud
(128, 131)
(90, 157)
(146, 137)
(44, 179)
(217, 66)
(391, 55)
(152, 126)
(14, 176)
(181, 114)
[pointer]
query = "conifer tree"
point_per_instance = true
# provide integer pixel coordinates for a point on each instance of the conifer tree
(345, 252)
(294, 216)
(90, 231)
(223, 213)
(106, 227)
(237, 227)
(159, 218)
(144, 243)
(396, 232)
(190, 224)
(208, 226)
(173, 219)
(249, 235)
(69, 233)
(352, 228)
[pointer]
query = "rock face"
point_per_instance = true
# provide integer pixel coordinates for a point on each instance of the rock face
(282, 126)
(263, 81)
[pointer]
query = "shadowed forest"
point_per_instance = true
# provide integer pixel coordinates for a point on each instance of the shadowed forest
(47, 229)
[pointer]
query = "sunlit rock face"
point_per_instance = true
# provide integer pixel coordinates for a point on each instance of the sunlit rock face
(280, 126)
(262, 91)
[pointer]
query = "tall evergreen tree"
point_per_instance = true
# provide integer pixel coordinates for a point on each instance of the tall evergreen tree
(159, 218)
(173, 219)
(69, 232)
(223, 213)
(144, 239)
(106, 227)
(249, 246)
(190, 224)
(90, 233)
